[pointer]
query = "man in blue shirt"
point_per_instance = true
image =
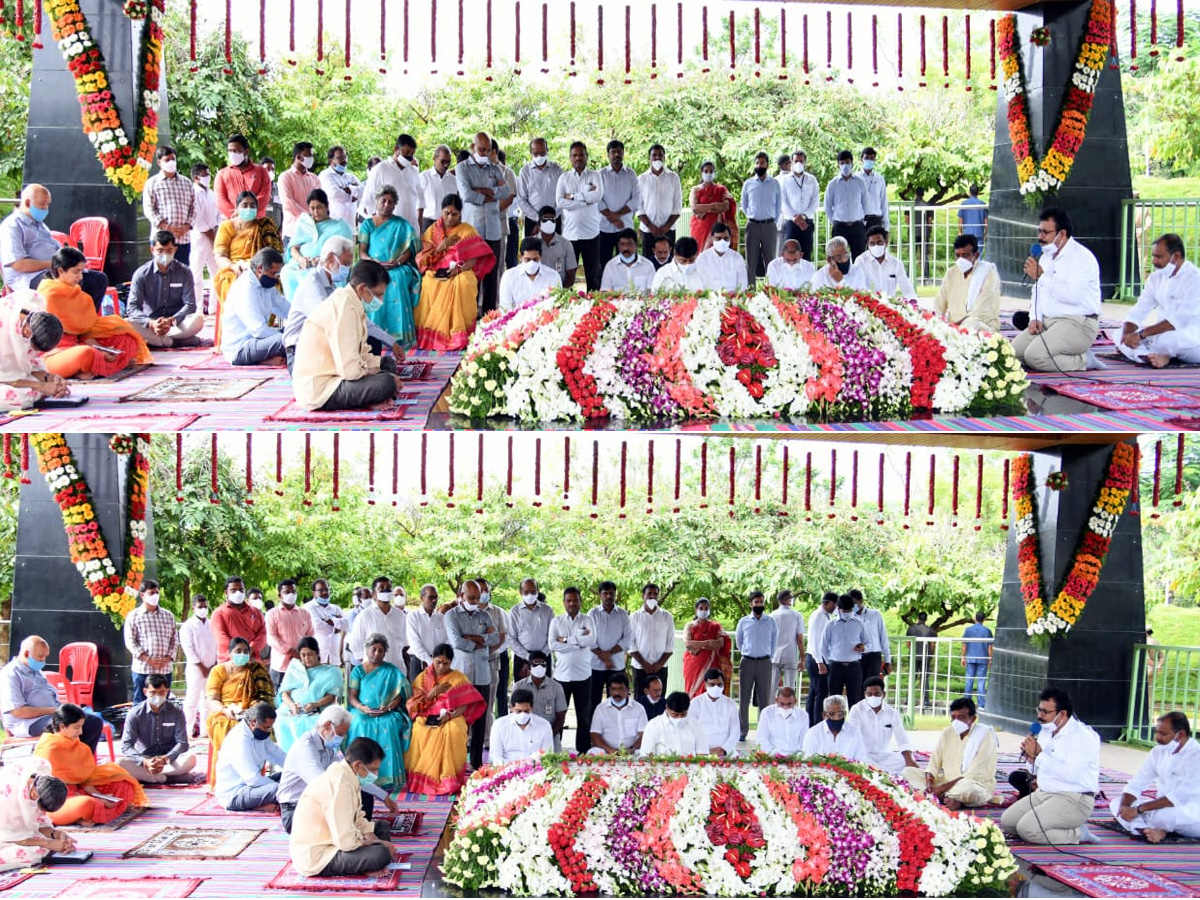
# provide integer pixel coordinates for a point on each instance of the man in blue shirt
(976, 657)
(973, 216)
(842, 644)
(757, 637)
(254, 313)
(761, 198)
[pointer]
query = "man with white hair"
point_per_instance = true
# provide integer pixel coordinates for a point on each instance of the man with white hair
(836, 271)
(27, 246)
(317, 750)
(27, 700)
(834, 736)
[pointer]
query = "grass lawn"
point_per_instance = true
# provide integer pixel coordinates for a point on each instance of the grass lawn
(1151, 188)
(1175, 626)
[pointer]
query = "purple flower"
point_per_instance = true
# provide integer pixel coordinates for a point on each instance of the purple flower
(637, 345)
(850, 846)
(629, 817)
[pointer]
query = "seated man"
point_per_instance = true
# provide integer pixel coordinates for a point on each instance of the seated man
(781, 727)
(549, 698)
(879, 271)
(162, 298)
(528, 280)
(879, 724)
(520, 734)
(723, 267)
(244, 754)
(662, 251)
(717, 715)
(789, 270)
(653, 701)
(335, 368)
(1165, 323)
(1171, 768)
(836, 272)
(834, 736)
(330, 834)
(619, 724)
(675, 733)
(27, 246)
(557, 252)
(962, 768)
(27, 699)
(1066, 777)
(628, 270)
(970, 291)
(314, 752)
(681, 273)
(253, 313)
(154, 743)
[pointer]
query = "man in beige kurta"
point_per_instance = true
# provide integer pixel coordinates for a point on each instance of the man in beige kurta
(970, 292)
(962, 769)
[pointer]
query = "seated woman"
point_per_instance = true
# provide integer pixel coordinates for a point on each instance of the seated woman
(390, 241)
(92, 345)
(95, 793)
(307, 688)
(711, 203)
(27, 331)
(27, 793)
(237, 240)
(378, 692)
(312, 230)
(453, 260)
(233, 687)
(443, 708)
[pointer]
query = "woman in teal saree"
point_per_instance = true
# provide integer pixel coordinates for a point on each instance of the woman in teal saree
(379, 693)
(307, 688)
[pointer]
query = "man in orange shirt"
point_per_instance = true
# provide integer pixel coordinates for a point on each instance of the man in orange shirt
(287, 623)
(235, 618)
(295, 185)
(242, 174)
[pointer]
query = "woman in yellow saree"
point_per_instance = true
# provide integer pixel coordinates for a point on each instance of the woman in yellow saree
(233, 687)
(237, 240)
(443, 706)
(452, 261)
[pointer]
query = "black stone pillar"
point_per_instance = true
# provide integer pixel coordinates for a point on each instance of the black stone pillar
(49, 596)
(1100, 178)
(1092, 663)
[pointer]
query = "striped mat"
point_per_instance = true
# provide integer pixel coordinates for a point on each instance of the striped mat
(1132, 420)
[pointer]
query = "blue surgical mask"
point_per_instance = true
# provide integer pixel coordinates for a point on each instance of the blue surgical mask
(246, 214)
(485, 597)
(343, 274)
(341, 170)
(323, 601)
(619, 704)
(846, 168)
(38, 215)
(373, 305)
(332, 743)
(628, 258)
(369, 778)
(36, 664)
(240, 659)
(868, 165)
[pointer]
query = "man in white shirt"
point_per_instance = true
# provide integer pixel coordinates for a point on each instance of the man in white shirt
(382, 617)
(628, 271)
(1064, 316)
(572, 636)
(834, 736)
(200, 651)
(836, 273)
(436, 183)
(653, 630)
(682, 273)
(205, 220)
(789, 271)
(1066, 777)
(846, 205)
(424, 628)
(1165, 323)
(723, 267)
(400, 170)
(799, 195)
(530, 279)
(577, 197)
(520, 734)
(662, 200)
(962, 767)
(529, 627)
(717, 715)
(342, 187)
(782, 727)
(620, 199)
(876, 207)
(880, 271)
(618, 724)
(674, 733)
(241, 784)
(789, 650)
(329, 622)
(536, 185)
(818, 684)
(1171, 768)
(880, 725)
(970, 291)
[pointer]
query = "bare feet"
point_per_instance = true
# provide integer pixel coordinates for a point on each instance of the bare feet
(275, 361)
(1155, 835)
(1158, 360)
(85, 376)
(953, 804)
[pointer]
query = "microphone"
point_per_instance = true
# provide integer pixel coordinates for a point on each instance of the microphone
(1034, 730)
(1035, 250)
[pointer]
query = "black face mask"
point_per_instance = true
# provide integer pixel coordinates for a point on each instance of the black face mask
(758, 611)
(260, 735)
(835, 725)
(844, 266)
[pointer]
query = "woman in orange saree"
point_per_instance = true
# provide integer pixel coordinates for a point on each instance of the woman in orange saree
(92, 345)
(443, 707)
(706, 647)
(90, 786)
(711, 203)
(452, 261)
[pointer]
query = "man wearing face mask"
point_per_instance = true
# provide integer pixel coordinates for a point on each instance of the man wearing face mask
(530, 279)
(877, 657)
(342, 186)
(618, 725)
(845, 204)
(880, 271)
(757, 637)
(818, 681)
(876, 206)
(675, 733)
(536, 185)
(27, 246)
(236, 618)
(529, 627)
(1171, 769)
(962, 768)
(482, 186)
(578, 195)
(242, 174)
(1066, 777)
(724, 269)
(162, 299)
(27, 699)
(204, 231)
(662, 200)
(287, 623)
(717, 715)
(253, 314)
(245, 754)
(789, 650)
(799, 195)
(761, 199)
(842, 644)
(385, 616)
(295, 185)
(970, 292)
(169, 202)
(836, 272)
(557, 252)
(154, 742)
(653, 631)
(782, 726)
(472, 634)
(401, 171)
(520, 734)
(834, 736)
(150, 638)
(1165, 323)
(682, 273)
(549, 701)
(200, 651)
(497, 656)
(328, 620)
(1064, 314)
(425, 629)
(790, 271)
(613, 637)
(436, 183)
(880, 725)
(628, 271)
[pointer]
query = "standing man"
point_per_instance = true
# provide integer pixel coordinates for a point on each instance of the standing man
(169, 202)
(877, 658)
(236, 618)
(481, 186)
(842, 646)
(204, 232)
(425, 628)
(814, 662)
(757, 637)
(973, 216)
(529, 628)
(401, 172)
(328, 621)
(789, 650)
(613, 637)
(845, 205)
(498, 655)
(436, 183)
(653, 630)
(920, 655)
(572, 637)
(976, 658)
(799, 195)
(472, 634)
(536, 186)
(341, 186)
(620, 198)
(877, 201)
(241, 174)
(150, 639)
(578, 196)
(662, 201)
(761, 204)
(286, 624)
(200, 651)
(385, 616)
(162, 298)
(294, 187)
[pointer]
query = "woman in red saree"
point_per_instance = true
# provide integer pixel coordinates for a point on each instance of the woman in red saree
(711, 203)
(443, 707)
(453, 260)
(706, 647)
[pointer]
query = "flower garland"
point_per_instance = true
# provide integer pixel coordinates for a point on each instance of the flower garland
(1039, 182)
(562, 836)
(732, 824)
(573, 355)
(111, 593)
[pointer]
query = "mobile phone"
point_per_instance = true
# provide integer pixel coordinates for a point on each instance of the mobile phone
(61, 402)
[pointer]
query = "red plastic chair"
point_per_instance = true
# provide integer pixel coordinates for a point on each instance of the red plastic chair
(67, 694)
(79, 662)
(63, 239)
(91, 233)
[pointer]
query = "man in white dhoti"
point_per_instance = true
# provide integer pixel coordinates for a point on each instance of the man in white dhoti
(1172, 769)
(962, 769)
(880, 725)
(1165, 323)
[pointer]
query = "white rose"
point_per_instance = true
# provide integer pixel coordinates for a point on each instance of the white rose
(489, 385)
(481, 859)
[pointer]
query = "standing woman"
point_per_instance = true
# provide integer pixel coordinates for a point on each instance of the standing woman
(706, 647)
(391, 241)
(712, 202)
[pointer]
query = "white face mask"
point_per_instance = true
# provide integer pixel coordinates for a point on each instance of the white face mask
(707, 177)
(482, 159)
(651, 604)
(721, 245)
(204, 180)
(531, 267)
(539, 161)
(964, 265)
(679, 723)
(307, 162)
(702, 614)
(237, 598)
(786, 713)
(155, 700)
(878, 250)
(537, 671)
(844, 614)
(522, 718)
(960, 727)
(846, 169)
(236, 159)
(656, 165)
(797, 169)
(384, 596)
(257, 603)
(470, 607)
(169, 165)
(1174, 746)
(714, 690)
(529, 599)
(202, 613)
(1048, 728)
(288, 598)
(874, 702)
(548, 227)
(150, 599)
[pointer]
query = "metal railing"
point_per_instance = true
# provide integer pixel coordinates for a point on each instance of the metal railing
(1164, 679)
(1142, 222)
